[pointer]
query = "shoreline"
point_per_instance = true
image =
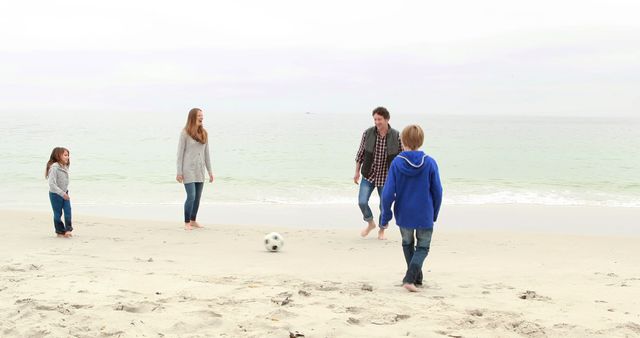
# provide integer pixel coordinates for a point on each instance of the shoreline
(531, 218)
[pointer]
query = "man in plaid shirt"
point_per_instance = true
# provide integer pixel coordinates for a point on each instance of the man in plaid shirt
(379, 145)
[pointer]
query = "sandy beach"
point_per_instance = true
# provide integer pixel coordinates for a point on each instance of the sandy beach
(137, 278)
(514, 124)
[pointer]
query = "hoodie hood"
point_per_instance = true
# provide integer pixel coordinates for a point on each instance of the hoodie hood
(412, 163)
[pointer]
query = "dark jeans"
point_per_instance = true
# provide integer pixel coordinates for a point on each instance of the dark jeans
(366, 189)
(191, 205)
(414, 254)
(59, 204)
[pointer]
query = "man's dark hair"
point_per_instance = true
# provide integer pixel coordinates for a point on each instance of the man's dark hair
(382, 111)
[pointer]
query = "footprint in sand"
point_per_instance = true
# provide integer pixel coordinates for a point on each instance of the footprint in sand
(282, 298)
(389, 319)
(477, 312)
(140, 307)
(448, 334)
(532, 295)
(497, 286)
(563, 326)
(526, 328)
(465, 323)
(610, 274)
(483, 318)
(353, 321)
(195, 324)
(323, 287)
(229, 279)
(13, 268)
(300, 292)
(354, 309)
(24, 301)
(629, 327)
(280, 315)
(26, 304)
(366, 287)
(61, 308)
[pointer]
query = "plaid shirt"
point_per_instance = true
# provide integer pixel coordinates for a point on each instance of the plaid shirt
(379, 169)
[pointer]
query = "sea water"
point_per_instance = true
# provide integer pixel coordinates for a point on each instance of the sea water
(308, 158)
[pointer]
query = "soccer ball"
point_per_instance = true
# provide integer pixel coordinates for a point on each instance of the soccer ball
(273, 242)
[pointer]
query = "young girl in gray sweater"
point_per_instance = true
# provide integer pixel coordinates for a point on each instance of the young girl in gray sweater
(57, 173)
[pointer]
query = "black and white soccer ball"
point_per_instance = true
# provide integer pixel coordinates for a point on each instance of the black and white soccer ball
(273, 242)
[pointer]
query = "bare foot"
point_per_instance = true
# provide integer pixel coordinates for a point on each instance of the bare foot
(60, 235)
(381, 235)
(195, 224)
(187, 226)
(410, 287)
(365, 232)
(67, 235)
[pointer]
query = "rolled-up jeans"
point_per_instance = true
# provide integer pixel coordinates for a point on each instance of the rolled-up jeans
(58, 205)
(366, 189)
(192, 203)
(415, 252)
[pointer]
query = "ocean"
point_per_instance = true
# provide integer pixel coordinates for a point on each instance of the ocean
(308, 158)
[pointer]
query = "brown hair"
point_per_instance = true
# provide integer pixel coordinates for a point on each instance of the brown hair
(382, 111)
(412, 137)
(56, 156)
(198, 133)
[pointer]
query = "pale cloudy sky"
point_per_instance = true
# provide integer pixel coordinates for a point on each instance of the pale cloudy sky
(442, 57)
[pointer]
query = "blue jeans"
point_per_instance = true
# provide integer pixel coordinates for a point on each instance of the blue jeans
(59, 204)
(366, 189)
(191, 205)
(414, 254)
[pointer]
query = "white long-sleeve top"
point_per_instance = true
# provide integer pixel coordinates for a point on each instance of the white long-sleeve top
(58, 179)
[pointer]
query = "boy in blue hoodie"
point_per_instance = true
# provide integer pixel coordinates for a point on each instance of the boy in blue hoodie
(413, 187)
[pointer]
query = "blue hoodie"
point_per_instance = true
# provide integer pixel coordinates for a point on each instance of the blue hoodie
(413, 183)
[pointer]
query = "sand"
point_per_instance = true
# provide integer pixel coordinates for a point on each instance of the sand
(148, 278)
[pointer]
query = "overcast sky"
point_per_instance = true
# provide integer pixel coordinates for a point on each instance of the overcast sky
(440, 57)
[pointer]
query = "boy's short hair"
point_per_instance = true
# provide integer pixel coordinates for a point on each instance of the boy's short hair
(412, 136)
(382, 111)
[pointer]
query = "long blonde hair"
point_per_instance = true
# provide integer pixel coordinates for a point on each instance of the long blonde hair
(56, 156)
(198, 133)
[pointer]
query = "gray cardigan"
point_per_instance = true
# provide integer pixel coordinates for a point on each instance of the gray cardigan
(58, 179)
(193, 157)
